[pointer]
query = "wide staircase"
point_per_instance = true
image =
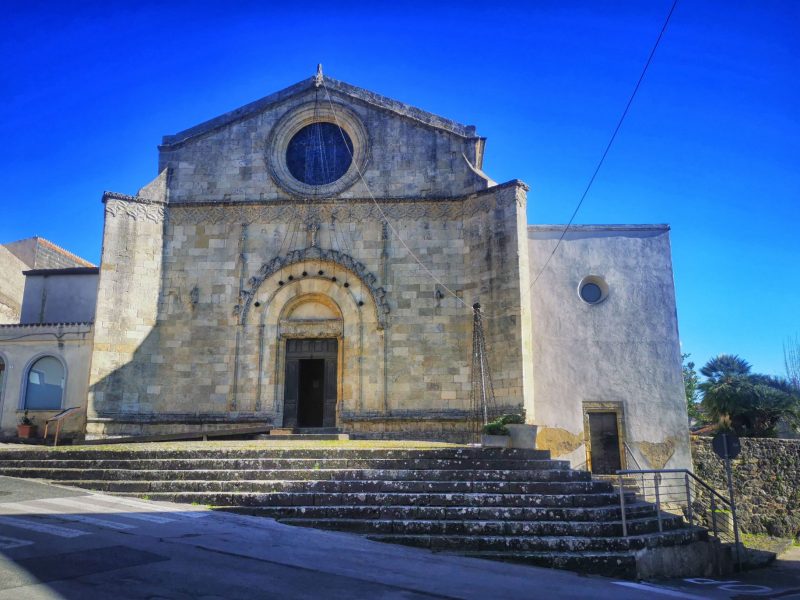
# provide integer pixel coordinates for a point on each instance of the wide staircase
(507, 504)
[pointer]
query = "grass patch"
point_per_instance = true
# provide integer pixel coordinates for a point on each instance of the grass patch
(762, 541)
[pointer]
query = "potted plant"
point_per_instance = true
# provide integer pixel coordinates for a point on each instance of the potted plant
(495, 435)
(26, 427)
(522, 435)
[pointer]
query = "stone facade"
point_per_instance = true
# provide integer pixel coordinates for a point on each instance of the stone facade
(233, 273)
(766, 482)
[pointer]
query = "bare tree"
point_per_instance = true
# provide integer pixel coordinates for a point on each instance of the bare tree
(791, 358)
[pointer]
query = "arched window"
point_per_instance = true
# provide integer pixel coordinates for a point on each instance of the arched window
(44, 389)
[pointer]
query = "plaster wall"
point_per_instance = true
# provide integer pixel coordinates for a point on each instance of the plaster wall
(20, 346)
(624, 350)
(59, 298)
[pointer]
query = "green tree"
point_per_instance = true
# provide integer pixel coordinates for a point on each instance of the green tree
(690, 383)
(748, 403)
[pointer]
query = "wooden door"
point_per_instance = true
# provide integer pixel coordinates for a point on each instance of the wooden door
(604, 442)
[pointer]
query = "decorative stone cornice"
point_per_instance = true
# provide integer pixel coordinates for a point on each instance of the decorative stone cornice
(352, 210)
(135, 207)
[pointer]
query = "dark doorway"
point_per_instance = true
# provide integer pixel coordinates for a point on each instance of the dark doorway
(604, 442)
(311, 397)
(310, 389)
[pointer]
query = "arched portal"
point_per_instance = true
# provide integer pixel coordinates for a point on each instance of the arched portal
(307, 327)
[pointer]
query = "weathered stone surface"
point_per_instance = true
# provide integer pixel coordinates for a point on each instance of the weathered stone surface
(766, 482)
(483, 502)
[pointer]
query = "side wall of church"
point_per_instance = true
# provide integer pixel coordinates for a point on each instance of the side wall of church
(622, 354)
(124, 372)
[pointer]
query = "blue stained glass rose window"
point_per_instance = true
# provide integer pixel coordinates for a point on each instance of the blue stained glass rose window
(319, 153)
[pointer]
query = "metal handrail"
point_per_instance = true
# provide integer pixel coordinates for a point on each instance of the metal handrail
(58, 419)
(683, 471)
(717, 500)
(630, 453)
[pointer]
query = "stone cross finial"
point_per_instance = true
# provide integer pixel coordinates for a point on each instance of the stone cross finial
(318, 76)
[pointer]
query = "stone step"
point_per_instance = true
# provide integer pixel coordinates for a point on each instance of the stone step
(454, 453)
(383, 499)
(490, 527)
(442, 475)
(471, 513)
(344, 486)
(467, 543)
(610, 564)
(347, 487)
(162, 464)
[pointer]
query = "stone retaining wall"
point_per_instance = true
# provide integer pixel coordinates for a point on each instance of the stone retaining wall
(766, 480)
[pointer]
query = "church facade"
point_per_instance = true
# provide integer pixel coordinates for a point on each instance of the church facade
(312, 260)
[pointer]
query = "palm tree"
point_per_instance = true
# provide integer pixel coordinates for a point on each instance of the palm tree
(748, 403)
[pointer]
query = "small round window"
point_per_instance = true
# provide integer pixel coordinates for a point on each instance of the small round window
(593, 289)
(319, 153)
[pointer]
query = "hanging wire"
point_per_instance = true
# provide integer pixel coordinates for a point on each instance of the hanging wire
(608, 145)
(378, 206)
(483, 406)
(574, 213)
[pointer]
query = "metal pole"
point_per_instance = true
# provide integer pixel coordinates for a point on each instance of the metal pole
(656, 482)
(733, 510)
(714, 515)
(688, 499)
(729, 473)
(622, 507)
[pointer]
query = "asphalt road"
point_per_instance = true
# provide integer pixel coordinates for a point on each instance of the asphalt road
(57, 542)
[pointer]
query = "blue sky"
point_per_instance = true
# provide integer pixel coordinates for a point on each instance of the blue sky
(711, 145)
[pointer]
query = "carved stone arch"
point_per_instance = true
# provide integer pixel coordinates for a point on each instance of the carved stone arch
(267, 328)
(326, 257)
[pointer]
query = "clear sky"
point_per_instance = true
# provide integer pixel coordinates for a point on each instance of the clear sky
(711, 145)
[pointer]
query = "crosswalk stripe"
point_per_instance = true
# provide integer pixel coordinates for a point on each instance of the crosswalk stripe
(6, 543)
(57, 530)
(35, 508)
(72, 503)
(152, 506)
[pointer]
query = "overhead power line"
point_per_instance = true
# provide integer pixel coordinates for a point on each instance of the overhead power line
(608, 146)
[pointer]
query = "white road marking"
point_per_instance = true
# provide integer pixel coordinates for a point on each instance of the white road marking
(196, 513)
(34, 508)
(20, 523)
(82, 504)
(658, 590)
(6, 543)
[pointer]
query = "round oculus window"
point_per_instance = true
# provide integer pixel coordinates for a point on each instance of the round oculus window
(591, 293)
(319, 153)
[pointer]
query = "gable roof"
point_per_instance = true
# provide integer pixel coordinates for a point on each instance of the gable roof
(334, 85)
